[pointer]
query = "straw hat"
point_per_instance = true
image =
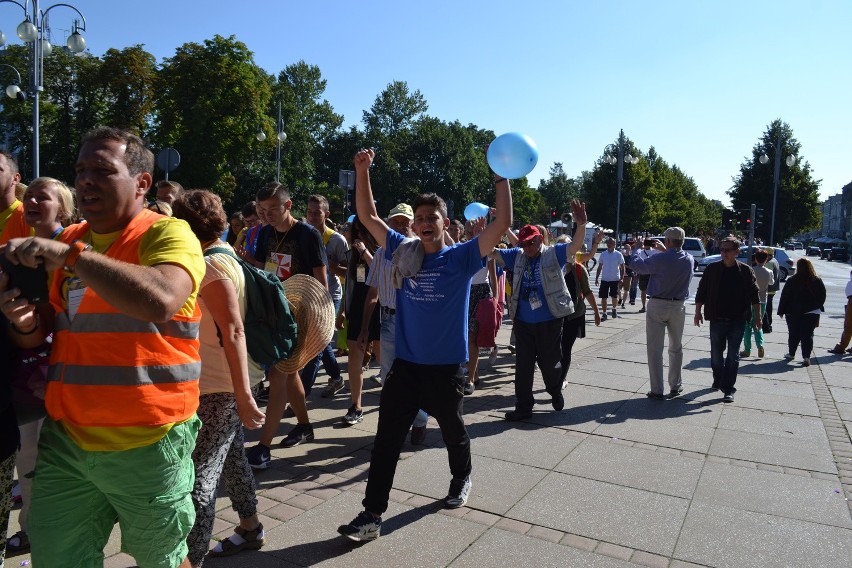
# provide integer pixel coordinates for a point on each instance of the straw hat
(313, 311)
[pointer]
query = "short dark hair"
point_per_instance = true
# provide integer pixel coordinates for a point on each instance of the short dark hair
(249, 209)
(273, 189)
(730, 239)
(137, 156)
(319, 200)
(761, 256)
(13, 163)
(203, 211)
(432, 200)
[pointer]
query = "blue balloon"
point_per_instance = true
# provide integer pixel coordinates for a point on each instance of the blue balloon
(475, 211)
(512, 155)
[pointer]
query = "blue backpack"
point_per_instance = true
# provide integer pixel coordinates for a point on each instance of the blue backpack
(270, 327)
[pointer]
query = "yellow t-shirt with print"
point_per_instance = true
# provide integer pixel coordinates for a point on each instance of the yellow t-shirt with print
(168, 241)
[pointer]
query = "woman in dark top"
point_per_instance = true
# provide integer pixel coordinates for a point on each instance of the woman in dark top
(801, 302)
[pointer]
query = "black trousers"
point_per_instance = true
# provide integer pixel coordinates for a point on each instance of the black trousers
(800, 328)
(537, 342)
(437, 389)
(570, 333)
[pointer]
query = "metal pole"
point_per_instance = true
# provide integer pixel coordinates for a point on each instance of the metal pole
(37, 87)
(620, 176)
(775, 186)
(278, 150)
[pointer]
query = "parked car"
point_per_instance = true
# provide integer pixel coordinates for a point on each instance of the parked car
(693, 246)
(824, 254)
(786, 266)
(813, 251)
(839, 253)
(794, 245)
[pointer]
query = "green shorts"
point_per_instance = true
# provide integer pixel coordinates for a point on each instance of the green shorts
(77, 496)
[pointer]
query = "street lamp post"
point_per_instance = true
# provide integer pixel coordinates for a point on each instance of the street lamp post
(630, 159)
(35, 30)
(281, 135)
(14, 91)
(775, 180)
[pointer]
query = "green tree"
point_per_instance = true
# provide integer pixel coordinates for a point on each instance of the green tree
(210, 99)
(798, 207)
(558, 190)
(128, 78)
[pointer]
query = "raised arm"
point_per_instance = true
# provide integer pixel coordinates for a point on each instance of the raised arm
(578, 209)
(490, 237)
(364, 203)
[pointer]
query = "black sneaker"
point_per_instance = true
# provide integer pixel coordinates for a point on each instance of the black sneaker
(468, 389)
(515, 415)
(558, 401)
(364, 527)
(458, 494)
(259, 456)
(300, 433)
(353, 416)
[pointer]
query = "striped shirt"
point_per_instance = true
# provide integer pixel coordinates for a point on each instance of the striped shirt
(379, 276)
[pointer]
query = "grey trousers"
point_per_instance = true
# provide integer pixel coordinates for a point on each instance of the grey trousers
(662, 316)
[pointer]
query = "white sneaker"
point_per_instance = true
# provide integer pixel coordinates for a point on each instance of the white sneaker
(492, 358)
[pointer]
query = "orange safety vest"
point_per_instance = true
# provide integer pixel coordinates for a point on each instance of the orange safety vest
(16, 226)
(108, 369)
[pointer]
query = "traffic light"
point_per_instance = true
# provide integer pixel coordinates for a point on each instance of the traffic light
(758, 218)
(553, 214)
(727, 215)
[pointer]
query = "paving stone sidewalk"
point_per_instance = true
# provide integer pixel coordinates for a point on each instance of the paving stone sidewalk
(615, 479)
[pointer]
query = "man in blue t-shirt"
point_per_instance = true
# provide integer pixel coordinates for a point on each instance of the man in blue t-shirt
(539, 301)
(431, 339)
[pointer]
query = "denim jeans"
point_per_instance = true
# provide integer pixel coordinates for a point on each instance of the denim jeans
(388, 351)
(726, 334)
(308, 374)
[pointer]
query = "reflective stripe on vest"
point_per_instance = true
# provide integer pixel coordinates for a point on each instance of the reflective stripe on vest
(120, 323)
(124, 376)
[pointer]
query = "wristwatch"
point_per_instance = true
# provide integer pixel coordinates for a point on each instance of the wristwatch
(76, 249)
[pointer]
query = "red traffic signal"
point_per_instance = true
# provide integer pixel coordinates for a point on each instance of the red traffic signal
(553, 214)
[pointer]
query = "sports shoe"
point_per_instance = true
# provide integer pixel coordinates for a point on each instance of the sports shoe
(728, 397)
(354, 416)
(614, 315)
(418, 435)
(300, 433)
(655, 395)
(745, 353)
(259, 456)
(377, 378)
(511, 348)
(515, 415)
(262, 393)
(334, 387)
(632, 302)
(363, 527)
(469, 388)
(806, 361)
(458, 494)
(492, 357)
(603, 316)
(642, 310)
(789, 356)
(761, 352)
(674, 393)
(835, 351)
(558, 401)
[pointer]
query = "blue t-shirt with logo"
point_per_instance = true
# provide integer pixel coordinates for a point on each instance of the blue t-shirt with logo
(431, 308)
(531, 283)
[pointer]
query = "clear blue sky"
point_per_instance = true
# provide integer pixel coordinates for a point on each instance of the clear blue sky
(699, 81)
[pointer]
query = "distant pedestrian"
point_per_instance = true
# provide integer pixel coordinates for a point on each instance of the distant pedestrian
(670, 274)
(801, 302)
(728, 295)
(611, 268)
(764, 280)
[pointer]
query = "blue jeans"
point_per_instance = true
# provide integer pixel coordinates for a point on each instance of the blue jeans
(308, 374)
(388, 351)
(725, 334)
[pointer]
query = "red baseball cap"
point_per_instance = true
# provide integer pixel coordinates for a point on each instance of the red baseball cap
(528, 233)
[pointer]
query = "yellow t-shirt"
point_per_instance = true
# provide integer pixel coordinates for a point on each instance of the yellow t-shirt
(168, 241)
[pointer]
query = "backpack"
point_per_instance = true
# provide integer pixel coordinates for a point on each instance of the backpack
(270, 327)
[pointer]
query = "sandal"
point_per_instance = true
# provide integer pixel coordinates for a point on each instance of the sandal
(252, 540)
(23, 545)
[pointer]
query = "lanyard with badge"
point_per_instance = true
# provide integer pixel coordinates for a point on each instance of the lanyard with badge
(75, 289)
(529, 275)
(276, 260)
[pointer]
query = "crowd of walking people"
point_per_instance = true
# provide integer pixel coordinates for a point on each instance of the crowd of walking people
(133, 383)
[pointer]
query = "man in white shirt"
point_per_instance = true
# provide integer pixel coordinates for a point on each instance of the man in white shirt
(611, 263)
